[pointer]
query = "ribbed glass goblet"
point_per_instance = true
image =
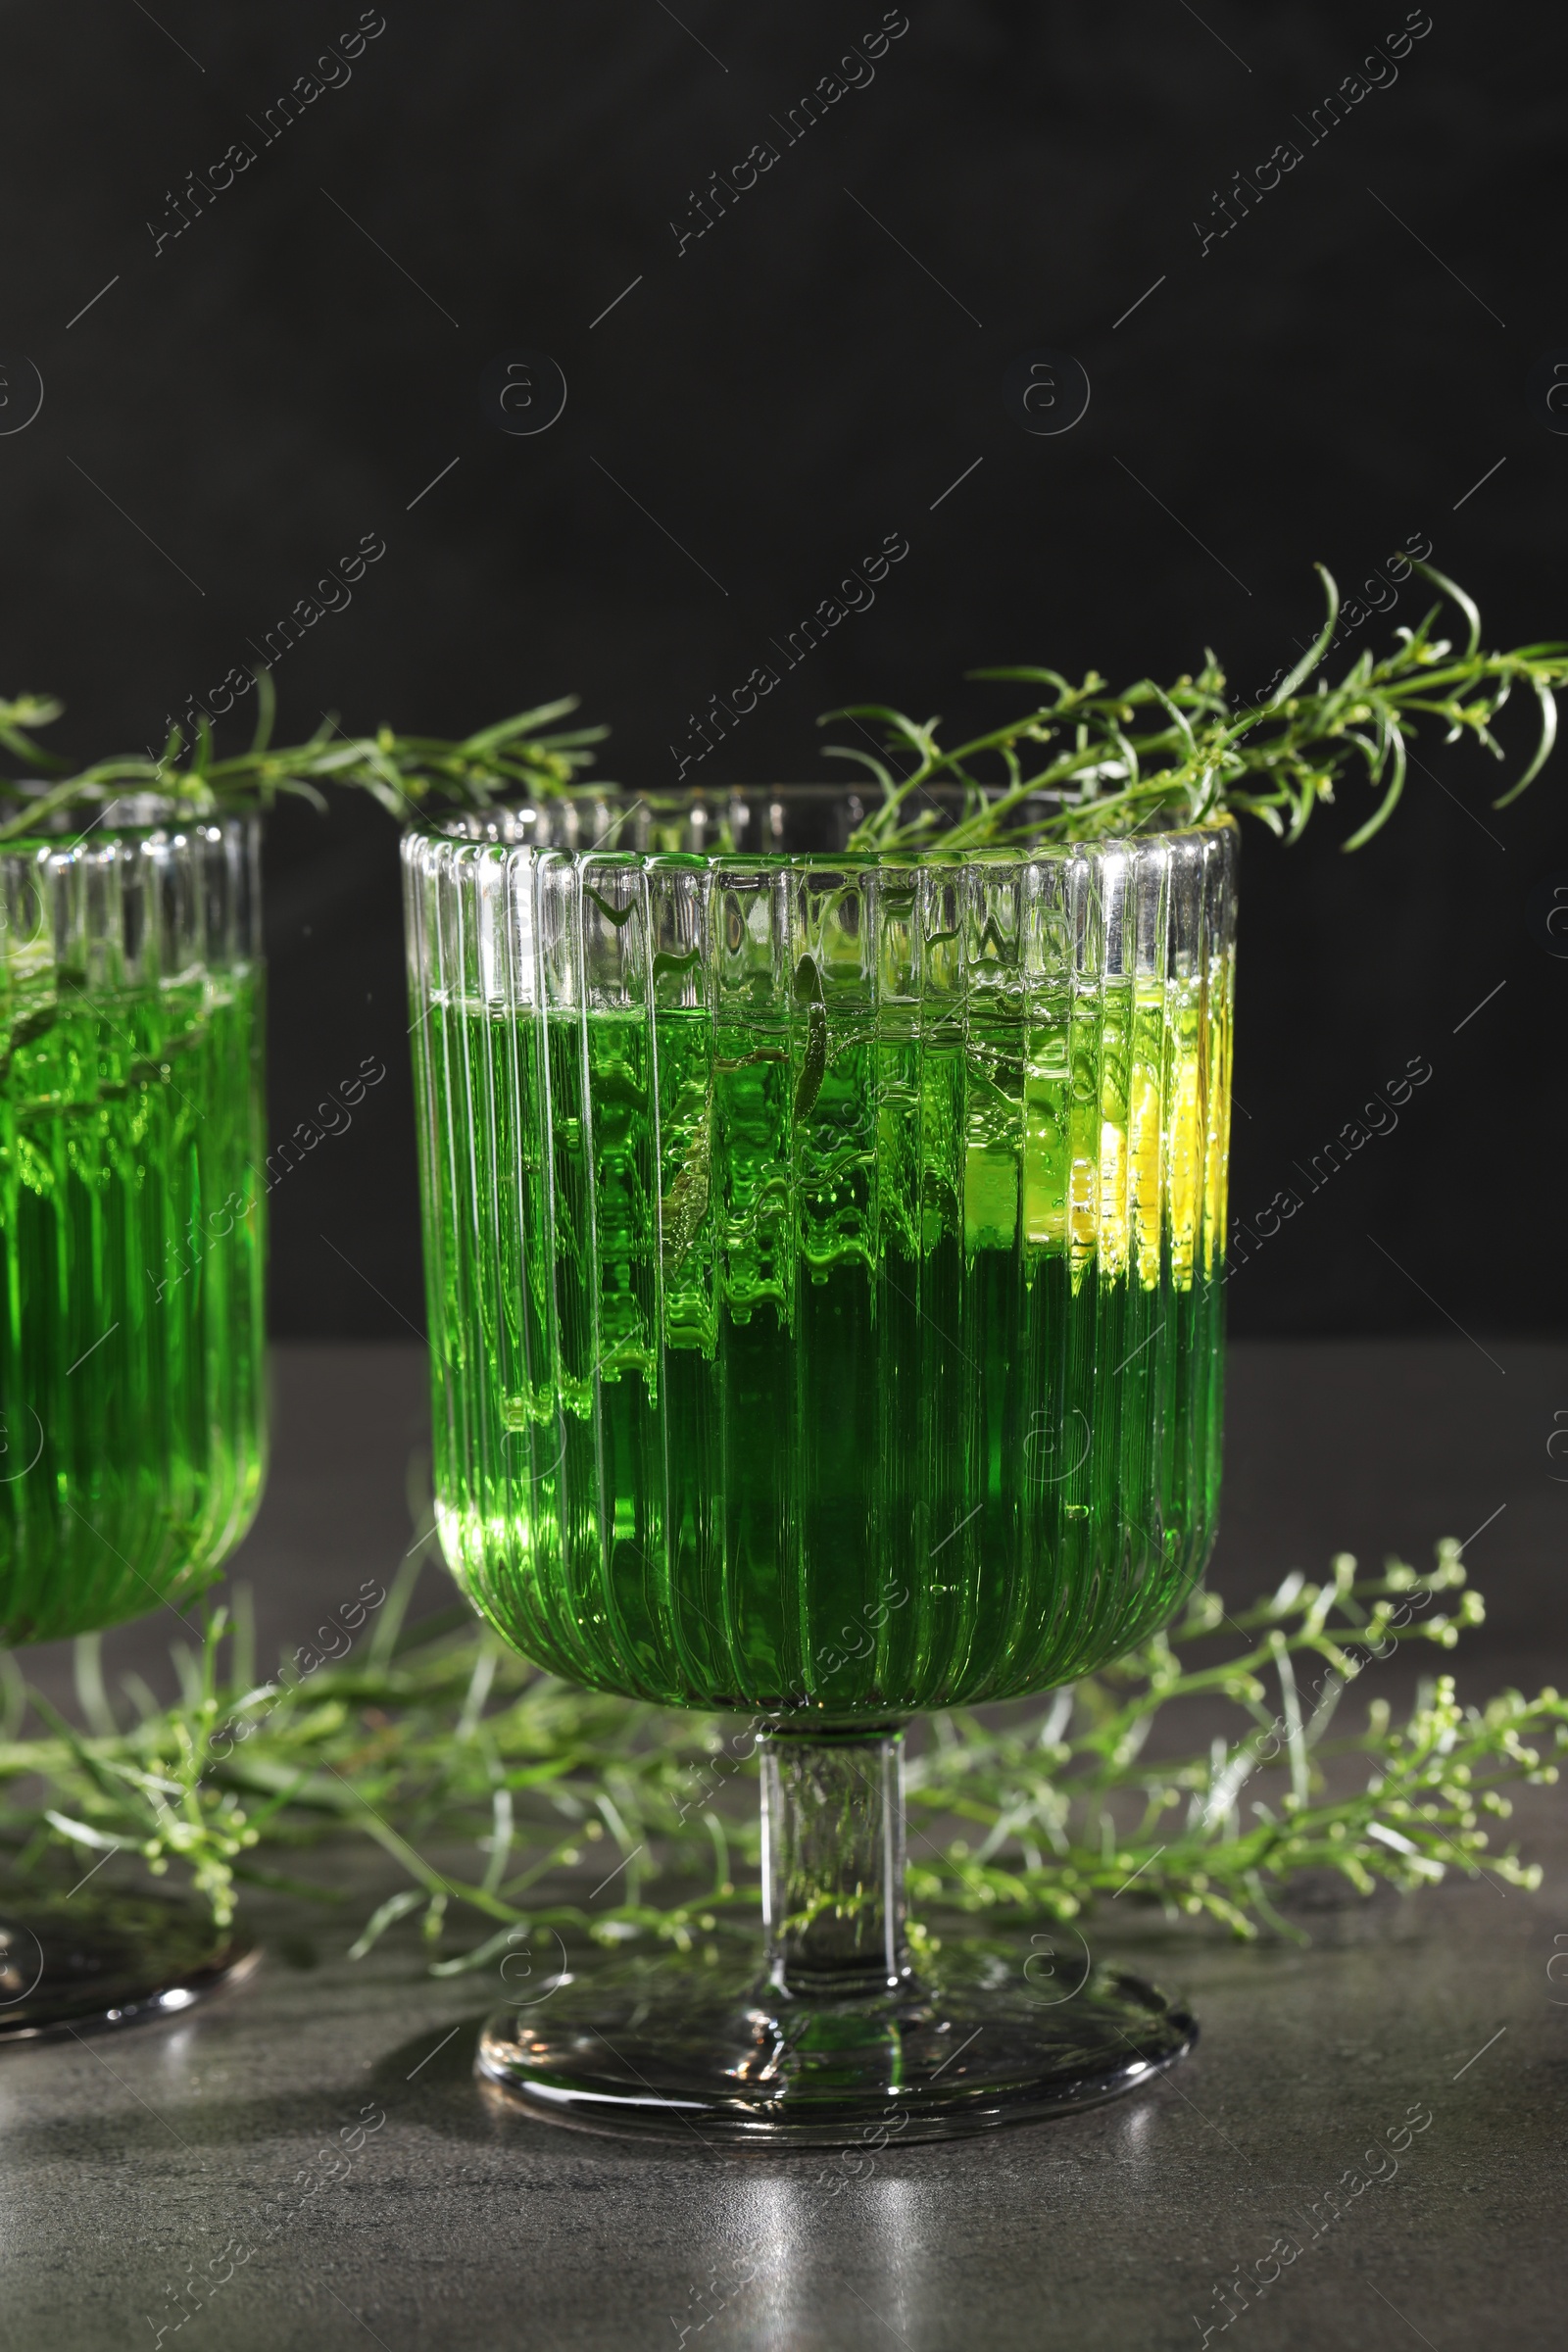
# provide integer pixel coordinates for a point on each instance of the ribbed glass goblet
(132, 1406)
(823, 1253)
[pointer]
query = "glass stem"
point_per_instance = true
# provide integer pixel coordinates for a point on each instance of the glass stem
(833, 1899)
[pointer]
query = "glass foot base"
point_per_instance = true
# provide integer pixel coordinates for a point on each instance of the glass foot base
(676, 2049)
(91, 1962)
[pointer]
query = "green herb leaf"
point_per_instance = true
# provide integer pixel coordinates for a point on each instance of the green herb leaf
(1085, 763)
(406, 773)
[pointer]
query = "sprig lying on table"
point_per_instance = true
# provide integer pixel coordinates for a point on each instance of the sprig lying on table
(1094, 761)
(431, 1737)
(404, 772)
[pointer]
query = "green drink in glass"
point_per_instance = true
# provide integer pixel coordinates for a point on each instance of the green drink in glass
(824, 1257)
(132, 1414)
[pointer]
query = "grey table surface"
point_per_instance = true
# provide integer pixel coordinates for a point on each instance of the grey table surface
(131, 2162)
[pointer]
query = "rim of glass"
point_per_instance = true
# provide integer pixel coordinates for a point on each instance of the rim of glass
(512, 824)
(136, 818)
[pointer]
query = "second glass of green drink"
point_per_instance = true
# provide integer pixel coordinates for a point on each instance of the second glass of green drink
(823, 1252)
(132, 1256)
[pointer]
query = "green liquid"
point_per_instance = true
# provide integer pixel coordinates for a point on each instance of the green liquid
(795, 1364)
(131, 1395)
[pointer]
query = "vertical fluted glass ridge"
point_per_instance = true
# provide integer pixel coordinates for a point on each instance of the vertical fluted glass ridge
(823, 1251)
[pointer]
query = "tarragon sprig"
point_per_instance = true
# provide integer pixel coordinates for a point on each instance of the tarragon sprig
(435, 1740)
(1086, 761)
(1070, 1815)
(524, 754)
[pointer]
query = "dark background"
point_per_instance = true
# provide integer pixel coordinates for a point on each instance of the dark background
(227, 418)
